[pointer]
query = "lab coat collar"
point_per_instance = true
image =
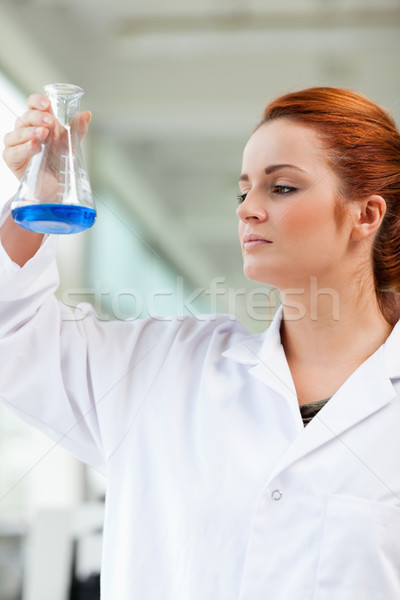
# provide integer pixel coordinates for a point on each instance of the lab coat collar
(255, 348)
(258, 349)
(365, 392)
(247, 351)
(265, 355)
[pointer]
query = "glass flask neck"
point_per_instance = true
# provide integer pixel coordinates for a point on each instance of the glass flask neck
(65, 99)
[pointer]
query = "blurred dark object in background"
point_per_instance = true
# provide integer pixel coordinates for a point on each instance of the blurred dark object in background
(89, 589)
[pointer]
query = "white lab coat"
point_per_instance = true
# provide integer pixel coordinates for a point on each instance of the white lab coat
(215, 490)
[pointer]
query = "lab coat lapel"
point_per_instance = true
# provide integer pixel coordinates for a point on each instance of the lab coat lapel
(275, 373)
(272, 368)
(365, 392)
(271, 365)
(265, 357)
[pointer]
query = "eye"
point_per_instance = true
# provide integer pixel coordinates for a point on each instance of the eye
(241, 197)
(283, 189)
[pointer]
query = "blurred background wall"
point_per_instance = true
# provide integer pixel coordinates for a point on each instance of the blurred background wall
(175, 89)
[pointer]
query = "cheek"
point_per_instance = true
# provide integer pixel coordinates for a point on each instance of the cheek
(240, 230)
(306, 221)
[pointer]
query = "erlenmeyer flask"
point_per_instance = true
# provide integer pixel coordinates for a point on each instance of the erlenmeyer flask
(55, 194)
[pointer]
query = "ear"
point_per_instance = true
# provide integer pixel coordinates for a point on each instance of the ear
(367, 217)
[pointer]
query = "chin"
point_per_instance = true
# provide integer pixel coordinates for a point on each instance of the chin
(257, 274)
(275, 277)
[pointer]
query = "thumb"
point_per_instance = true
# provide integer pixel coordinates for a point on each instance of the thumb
(83, 122)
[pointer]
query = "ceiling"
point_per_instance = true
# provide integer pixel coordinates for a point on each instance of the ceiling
(176, 88)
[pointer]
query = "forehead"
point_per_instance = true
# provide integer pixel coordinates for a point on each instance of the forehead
(283, 141)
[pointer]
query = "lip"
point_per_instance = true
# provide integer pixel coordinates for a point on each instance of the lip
(251, 240)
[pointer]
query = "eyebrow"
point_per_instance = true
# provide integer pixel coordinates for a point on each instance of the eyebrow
(271, 169)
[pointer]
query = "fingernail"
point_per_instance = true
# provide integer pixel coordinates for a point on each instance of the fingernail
(39, 132)
(44, 103)
(47, 119)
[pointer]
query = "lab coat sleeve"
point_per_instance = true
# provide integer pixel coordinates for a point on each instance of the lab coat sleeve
(80, 380)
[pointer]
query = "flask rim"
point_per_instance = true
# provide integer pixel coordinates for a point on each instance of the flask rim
(68, 90)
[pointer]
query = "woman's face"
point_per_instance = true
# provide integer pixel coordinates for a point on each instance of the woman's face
(287, 225)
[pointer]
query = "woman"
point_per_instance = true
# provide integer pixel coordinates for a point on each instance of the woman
(216, 490)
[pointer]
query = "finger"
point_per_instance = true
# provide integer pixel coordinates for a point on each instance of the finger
(16, 157)
(25, 134)
(38, 102)
(84, 119)
(35, 118)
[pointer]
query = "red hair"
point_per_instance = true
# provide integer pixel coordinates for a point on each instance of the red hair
(363, 149)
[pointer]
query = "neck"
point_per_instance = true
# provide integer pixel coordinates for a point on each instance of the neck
(325, 324)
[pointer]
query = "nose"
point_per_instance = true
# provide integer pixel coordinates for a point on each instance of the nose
(252, 208)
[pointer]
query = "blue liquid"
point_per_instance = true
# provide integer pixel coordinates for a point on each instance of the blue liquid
(54, 218)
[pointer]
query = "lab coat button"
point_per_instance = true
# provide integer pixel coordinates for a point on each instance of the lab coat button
(276, 495)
